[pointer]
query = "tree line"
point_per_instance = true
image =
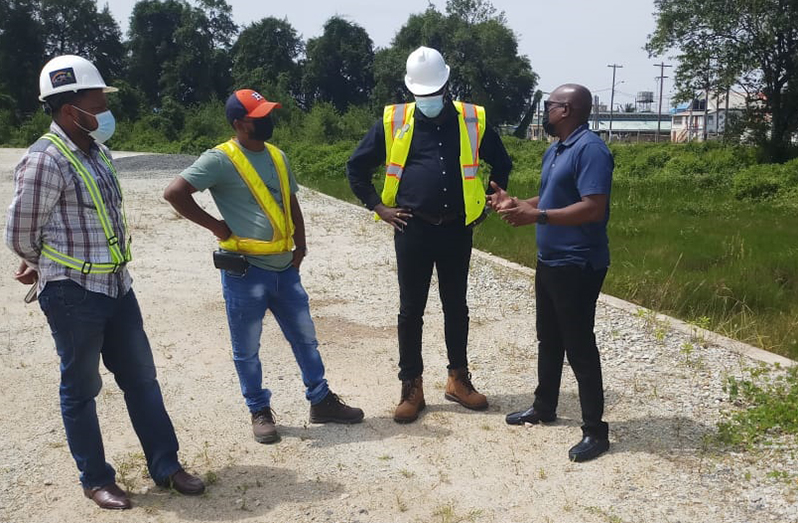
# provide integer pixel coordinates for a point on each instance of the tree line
(180, 54)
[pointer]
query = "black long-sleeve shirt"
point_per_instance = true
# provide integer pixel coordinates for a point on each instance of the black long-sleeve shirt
(431, 181)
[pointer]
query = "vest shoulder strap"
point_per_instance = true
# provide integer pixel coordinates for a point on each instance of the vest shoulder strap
(395, 118)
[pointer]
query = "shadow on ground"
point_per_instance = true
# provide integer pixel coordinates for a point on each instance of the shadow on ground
(240, 492)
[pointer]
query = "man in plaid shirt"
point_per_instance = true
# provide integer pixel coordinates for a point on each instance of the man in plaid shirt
(67, 224)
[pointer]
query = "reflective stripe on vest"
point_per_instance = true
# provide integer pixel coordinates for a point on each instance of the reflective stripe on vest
(118, 258)
(398, 123)
(280, 219)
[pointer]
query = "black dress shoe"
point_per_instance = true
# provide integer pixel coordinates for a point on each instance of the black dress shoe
(589, 448)
(529, 416)
(185, 483)
(108, 496)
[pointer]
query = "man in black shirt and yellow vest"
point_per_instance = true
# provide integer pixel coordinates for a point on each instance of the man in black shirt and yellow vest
(432, 197)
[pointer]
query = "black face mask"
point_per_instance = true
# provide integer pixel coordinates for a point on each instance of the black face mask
(548, 126)
(263, 128)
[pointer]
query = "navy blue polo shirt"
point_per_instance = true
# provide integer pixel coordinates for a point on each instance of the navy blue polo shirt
(577, 167)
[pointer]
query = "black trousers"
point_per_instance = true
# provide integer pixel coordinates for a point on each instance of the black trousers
(419, 248)
(565, 299)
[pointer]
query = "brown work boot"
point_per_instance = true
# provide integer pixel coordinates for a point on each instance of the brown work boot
(460, 390)
(332, 410)
(411, 402)
(263, 426)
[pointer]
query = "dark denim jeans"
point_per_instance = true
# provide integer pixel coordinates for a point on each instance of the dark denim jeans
(86, 326)
(420, 248)
(565, 299)
(247, 298)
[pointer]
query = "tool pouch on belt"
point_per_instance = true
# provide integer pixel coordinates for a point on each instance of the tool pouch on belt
(231, 262)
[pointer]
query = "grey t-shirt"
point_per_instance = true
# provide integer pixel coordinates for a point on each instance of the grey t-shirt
(213, 170)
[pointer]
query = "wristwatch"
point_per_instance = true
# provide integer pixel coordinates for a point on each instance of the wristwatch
(543, 217)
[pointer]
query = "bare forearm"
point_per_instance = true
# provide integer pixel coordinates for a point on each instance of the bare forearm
(534, 201)
(579, 213)
(187, 207)
(299, 223)
(179, 194)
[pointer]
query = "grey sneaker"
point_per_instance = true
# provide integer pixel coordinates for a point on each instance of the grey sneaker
(263, 426)
(332, 410)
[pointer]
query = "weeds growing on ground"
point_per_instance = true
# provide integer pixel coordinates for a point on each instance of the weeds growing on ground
(766, 404)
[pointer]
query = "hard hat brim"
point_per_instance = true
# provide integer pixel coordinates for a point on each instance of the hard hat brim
(424, 89)
(68, 88)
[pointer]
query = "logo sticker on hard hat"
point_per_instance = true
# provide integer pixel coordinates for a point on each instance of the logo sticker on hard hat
(64, 76)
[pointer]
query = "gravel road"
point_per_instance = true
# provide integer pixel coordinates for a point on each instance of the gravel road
(664, 390)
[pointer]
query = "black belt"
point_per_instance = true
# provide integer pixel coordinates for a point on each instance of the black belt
(440, 219)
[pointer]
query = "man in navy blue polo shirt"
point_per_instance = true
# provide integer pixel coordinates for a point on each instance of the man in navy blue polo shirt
(571, 214)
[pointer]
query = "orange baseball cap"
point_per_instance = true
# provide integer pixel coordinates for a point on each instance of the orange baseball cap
(248, 103)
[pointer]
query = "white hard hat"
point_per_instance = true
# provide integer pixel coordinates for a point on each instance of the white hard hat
(426, 71)
(70, 73)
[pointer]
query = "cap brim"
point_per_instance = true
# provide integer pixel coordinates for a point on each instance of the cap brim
(263, 109)
(109, 89)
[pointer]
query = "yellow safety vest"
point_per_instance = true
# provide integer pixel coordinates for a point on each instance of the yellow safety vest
(118, 258)
(280, 219)
(398, 122)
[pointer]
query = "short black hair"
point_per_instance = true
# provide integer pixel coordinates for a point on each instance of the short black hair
(53, 104)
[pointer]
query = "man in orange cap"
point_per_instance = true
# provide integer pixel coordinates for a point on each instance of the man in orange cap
(262, 245)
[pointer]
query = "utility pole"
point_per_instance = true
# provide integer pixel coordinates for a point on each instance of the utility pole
(539, 137)
(596, 113)
(726, 114)
(662, 78)
(706, 113)
(612, 98)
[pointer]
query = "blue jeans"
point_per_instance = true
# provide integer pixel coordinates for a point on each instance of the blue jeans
(86, 326)
(247, 299)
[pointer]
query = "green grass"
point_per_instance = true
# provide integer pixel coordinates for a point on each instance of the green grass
(691, 253)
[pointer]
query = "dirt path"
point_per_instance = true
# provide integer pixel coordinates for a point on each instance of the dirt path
(452, 465)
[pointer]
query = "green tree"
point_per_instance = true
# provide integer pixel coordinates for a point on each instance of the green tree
(21, 54)
(151, 43)
(480, 49)
(267, 53)
(76, 27)
(340, 64)
(171, 49)
(222, 31)
(188, 76)
(752, 43)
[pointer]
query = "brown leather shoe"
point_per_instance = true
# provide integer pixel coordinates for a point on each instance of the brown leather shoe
(263, 426)
(185, 483)
(108, 496)
(460, 389)
(411, 402)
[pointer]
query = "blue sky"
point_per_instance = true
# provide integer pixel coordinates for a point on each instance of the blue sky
(565, 41)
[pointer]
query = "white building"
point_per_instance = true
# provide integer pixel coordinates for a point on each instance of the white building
(688, 118)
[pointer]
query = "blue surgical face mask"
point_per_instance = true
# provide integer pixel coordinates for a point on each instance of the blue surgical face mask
(431, 106)
(106, 125)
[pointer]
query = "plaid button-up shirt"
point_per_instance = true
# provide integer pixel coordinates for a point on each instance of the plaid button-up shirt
(52, 205)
